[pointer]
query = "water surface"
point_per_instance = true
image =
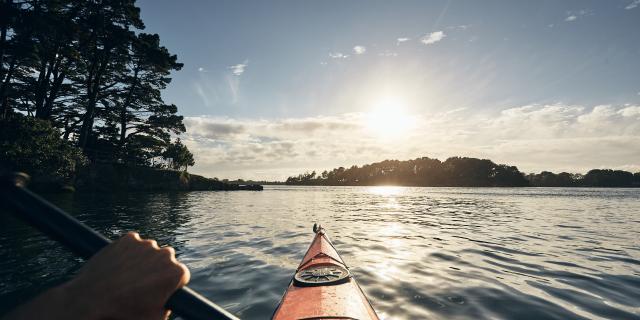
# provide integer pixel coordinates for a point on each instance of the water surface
(418, 253)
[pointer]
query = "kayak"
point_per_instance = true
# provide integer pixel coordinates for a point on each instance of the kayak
(323, 288)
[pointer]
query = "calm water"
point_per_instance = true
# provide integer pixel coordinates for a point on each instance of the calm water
(418, 253)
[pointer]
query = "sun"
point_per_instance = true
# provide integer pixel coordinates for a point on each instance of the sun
(389, 118)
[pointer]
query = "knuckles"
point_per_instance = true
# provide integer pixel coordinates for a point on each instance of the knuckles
(164, 257)
(151, 243)
(131, 236)
(182, 273)
(168, 252)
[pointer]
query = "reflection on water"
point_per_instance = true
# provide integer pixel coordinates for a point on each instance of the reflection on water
(437, 253)
(386, 190)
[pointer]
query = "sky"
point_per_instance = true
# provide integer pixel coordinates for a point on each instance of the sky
(272, 89)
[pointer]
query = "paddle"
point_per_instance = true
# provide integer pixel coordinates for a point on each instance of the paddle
(85, 242)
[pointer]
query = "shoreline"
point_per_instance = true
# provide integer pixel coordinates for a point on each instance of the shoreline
(478, 187)
(120, 178)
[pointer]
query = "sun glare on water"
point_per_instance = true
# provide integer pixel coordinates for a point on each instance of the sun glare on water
(386, 190)
(389, 118)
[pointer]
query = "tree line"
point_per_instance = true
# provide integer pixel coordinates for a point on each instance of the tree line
(459, 172)
(85, 71)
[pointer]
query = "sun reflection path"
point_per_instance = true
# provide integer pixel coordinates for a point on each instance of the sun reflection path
(390, 260)
(386, 190)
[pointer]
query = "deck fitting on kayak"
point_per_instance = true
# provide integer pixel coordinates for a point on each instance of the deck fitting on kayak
(321, 275)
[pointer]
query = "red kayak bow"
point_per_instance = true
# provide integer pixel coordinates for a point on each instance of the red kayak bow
(323, 288)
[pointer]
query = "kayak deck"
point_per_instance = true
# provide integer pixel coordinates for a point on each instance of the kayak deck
(323, 288)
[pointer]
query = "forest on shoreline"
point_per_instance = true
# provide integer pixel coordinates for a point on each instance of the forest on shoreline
(460, 172)
(80, 84)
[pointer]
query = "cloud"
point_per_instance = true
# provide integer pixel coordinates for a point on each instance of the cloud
(574, 15)
(388, 54)
(233, 84)
(223, 128)
(247, 148)
(337, 55)
(554, 137)
(202, 94)
(460, 27)
(204, 127)
(401, 40)
(239, 69)
(634, 4)
(359, 49)
(433, 37)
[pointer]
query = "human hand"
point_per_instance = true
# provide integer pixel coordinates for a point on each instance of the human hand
(131, 278)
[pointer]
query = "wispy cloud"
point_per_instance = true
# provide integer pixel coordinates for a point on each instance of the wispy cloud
(239, 69)
(337, 55)
(388, 54)
(634, 4)
(533, 137)
(359, 49)
(200, 91)
(460, 27)
(208, 87)
(401, 40)
(433, 37)
(575, 15)
(233, 83)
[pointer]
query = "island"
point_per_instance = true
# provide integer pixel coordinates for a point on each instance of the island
(460, 172)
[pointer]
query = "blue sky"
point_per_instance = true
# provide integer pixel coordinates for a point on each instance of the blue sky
(273, 88)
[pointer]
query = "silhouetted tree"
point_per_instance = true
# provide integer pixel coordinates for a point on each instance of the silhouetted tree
(460, 172)
(179, 154)
(424, 171)
(608, 178)
(104, 43)
(87, 69)
(31, 145)
(138, 106)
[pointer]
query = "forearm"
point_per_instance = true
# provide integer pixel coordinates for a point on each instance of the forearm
(56, 303)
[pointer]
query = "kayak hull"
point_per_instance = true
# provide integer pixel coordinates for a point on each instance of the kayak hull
(323, 288)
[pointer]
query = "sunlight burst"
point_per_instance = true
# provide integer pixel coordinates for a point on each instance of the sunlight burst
(389, 118)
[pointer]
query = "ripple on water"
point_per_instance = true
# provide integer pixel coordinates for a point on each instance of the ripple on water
(418, 253)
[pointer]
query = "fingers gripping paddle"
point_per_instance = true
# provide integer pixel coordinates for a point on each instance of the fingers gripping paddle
(85, 242)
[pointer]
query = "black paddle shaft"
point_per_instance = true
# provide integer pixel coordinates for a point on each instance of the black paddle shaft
(85, 242)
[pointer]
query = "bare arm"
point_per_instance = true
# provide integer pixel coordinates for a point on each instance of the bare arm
(131, 278)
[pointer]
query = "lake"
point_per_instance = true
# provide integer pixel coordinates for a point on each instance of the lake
(418, 253)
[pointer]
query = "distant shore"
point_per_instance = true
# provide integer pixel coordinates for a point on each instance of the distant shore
(461, 172)
(115, 178)
(449, 186)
